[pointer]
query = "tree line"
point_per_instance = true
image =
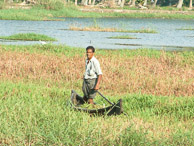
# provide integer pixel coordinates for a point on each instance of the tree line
(110, 3)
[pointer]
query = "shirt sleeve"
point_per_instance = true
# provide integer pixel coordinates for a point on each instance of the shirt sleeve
(97, 67)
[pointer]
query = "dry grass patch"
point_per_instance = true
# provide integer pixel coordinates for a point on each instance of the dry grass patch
(94, 28)
(157, 76)
(165, 75)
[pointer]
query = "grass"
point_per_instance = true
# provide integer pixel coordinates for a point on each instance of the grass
(28, 37)
(156, 88)
(122, 37)
(100, 29)
(36, 13)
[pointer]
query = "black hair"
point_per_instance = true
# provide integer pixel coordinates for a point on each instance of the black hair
(91, 47)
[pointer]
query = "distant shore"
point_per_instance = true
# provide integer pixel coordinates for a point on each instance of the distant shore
(39, 14)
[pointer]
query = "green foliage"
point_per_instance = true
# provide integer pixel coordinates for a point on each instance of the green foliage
(28, 37)
(45, 49)
(37, 13)
(50, 4)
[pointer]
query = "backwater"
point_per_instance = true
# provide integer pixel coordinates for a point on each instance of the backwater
(170, 36)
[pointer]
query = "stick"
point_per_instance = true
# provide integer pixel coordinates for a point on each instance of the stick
(105, 98)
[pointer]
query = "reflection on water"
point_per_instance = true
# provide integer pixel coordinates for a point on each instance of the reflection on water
(168, 37)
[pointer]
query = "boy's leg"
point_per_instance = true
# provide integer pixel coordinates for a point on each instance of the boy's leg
(85, 90)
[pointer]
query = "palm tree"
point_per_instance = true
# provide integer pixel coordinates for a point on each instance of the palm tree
(154, 4)
(119, 2)
(191, 4)
(180, 3)
(76, 2)
(145, 2)
(93, 3)
(130, 1)
(133, 3)
(90, 2)
(122, 3)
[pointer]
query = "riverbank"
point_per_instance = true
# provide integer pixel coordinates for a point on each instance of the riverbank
(156, 88)
(47, 15)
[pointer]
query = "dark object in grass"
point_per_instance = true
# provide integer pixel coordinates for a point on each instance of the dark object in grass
(77, 101)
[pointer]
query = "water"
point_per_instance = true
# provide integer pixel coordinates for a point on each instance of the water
(168, 37)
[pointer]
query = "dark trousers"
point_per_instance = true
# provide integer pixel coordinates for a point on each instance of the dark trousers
(88, 88)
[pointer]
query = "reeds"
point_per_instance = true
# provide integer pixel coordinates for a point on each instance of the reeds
(94, 28)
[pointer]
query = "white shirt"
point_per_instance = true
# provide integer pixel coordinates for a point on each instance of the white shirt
(92, 69)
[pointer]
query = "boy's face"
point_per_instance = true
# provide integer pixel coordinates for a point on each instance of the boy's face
(89, 54)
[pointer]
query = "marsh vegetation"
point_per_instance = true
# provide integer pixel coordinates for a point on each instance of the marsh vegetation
(123, 37)
(156, 88)
(93, 28)
(28, 37)
(186, 28)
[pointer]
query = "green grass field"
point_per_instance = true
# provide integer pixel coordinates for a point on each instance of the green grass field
(156, 87)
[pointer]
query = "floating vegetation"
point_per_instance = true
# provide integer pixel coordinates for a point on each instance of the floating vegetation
(100, 29)
(28, 37)
(122, 37)
(188, 28)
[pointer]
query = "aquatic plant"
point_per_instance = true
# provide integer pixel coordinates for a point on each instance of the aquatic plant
(94, 28)
(185, 28)
(28, 37)
(122, 37)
